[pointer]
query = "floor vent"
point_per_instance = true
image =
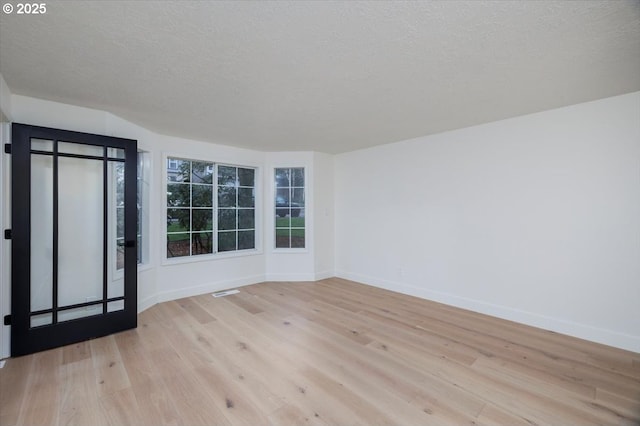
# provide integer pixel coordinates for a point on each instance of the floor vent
(225, 293)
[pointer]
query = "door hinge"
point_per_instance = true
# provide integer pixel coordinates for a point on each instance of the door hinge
(7, 320)
(7, 234)
(7, 148)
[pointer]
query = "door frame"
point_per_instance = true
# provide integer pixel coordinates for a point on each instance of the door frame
(5, 245)
(25, 339)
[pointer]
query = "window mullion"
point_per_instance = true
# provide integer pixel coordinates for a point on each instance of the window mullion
(190, 207)
(214, 204)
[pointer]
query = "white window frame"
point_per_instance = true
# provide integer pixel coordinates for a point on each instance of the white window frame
(144, 263)
(274, 193)
(258, 250)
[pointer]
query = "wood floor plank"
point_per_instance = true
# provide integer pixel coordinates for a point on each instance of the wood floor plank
(14, 379)
(79, 397)
(42, 396)
(331, 352)
(110, 373)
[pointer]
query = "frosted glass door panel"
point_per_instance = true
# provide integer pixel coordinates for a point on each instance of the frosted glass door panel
(80, 149)
(75, 313)
(80, 231)
(41, 232)
(115, 281)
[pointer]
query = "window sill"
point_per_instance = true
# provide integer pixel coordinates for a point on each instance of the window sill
(290, 250)
(143, 267)
(169, 261)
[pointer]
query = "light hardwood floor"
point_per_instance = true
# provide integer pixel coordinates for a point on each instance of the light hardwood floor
(330, 353)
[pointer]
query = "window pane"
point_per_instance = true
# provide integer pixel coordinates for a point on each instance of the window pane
(282, 178)
(227, 241)
(120, 222)
(246, 197)
(246, 177)
(115, 152)
(117, 305)
(246, 240)
(41, 240)
(71, 314)
(283, 222)
(282, 197)
(118, 171)
(201, 195)
(42, 319)
(178, 170)
(298, 177)
(202, 220)
(226, 196)
(178, 195)
(201, 243)
(227, 219)
(226, 175)
(41, 145)
(201, 172)
(289, 208)
(80, 224)
(178, 220)
(295, 213)
(297, 199)
(80, 149)
(246, 219)
(298, 222)
(177, 245)
(283, 238)
(297, 238)
(120, 253)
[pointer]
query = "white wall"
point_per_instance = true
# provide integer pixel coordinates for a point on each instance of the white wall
(324, 215)
(5, 101)
(534, 219)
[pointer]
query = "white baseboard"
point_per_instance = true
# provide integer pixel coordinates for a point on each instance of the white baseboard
(212, 287)
(148, 302)
(290, 277)
(324, 275)
(582, 331)
(300, 277)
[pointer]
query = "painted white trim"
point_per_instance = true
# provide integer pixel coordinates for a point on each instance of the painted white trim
(323, 275)
(582, 331)
(208, 257)
(274, 208)
(147, 303)
(289, 250)
(290, 277)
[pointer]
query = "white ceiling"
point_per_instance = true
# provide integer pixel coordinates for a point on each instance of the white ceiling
(322, 76)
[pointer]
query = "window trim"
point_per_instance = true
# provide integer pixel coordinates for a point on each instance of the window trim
(145, 227)
(274, 193)
(258, 250)
(236, 208)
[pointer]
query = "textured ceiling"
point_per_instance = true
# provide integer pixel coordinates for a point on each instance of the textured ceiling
(323, 76)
